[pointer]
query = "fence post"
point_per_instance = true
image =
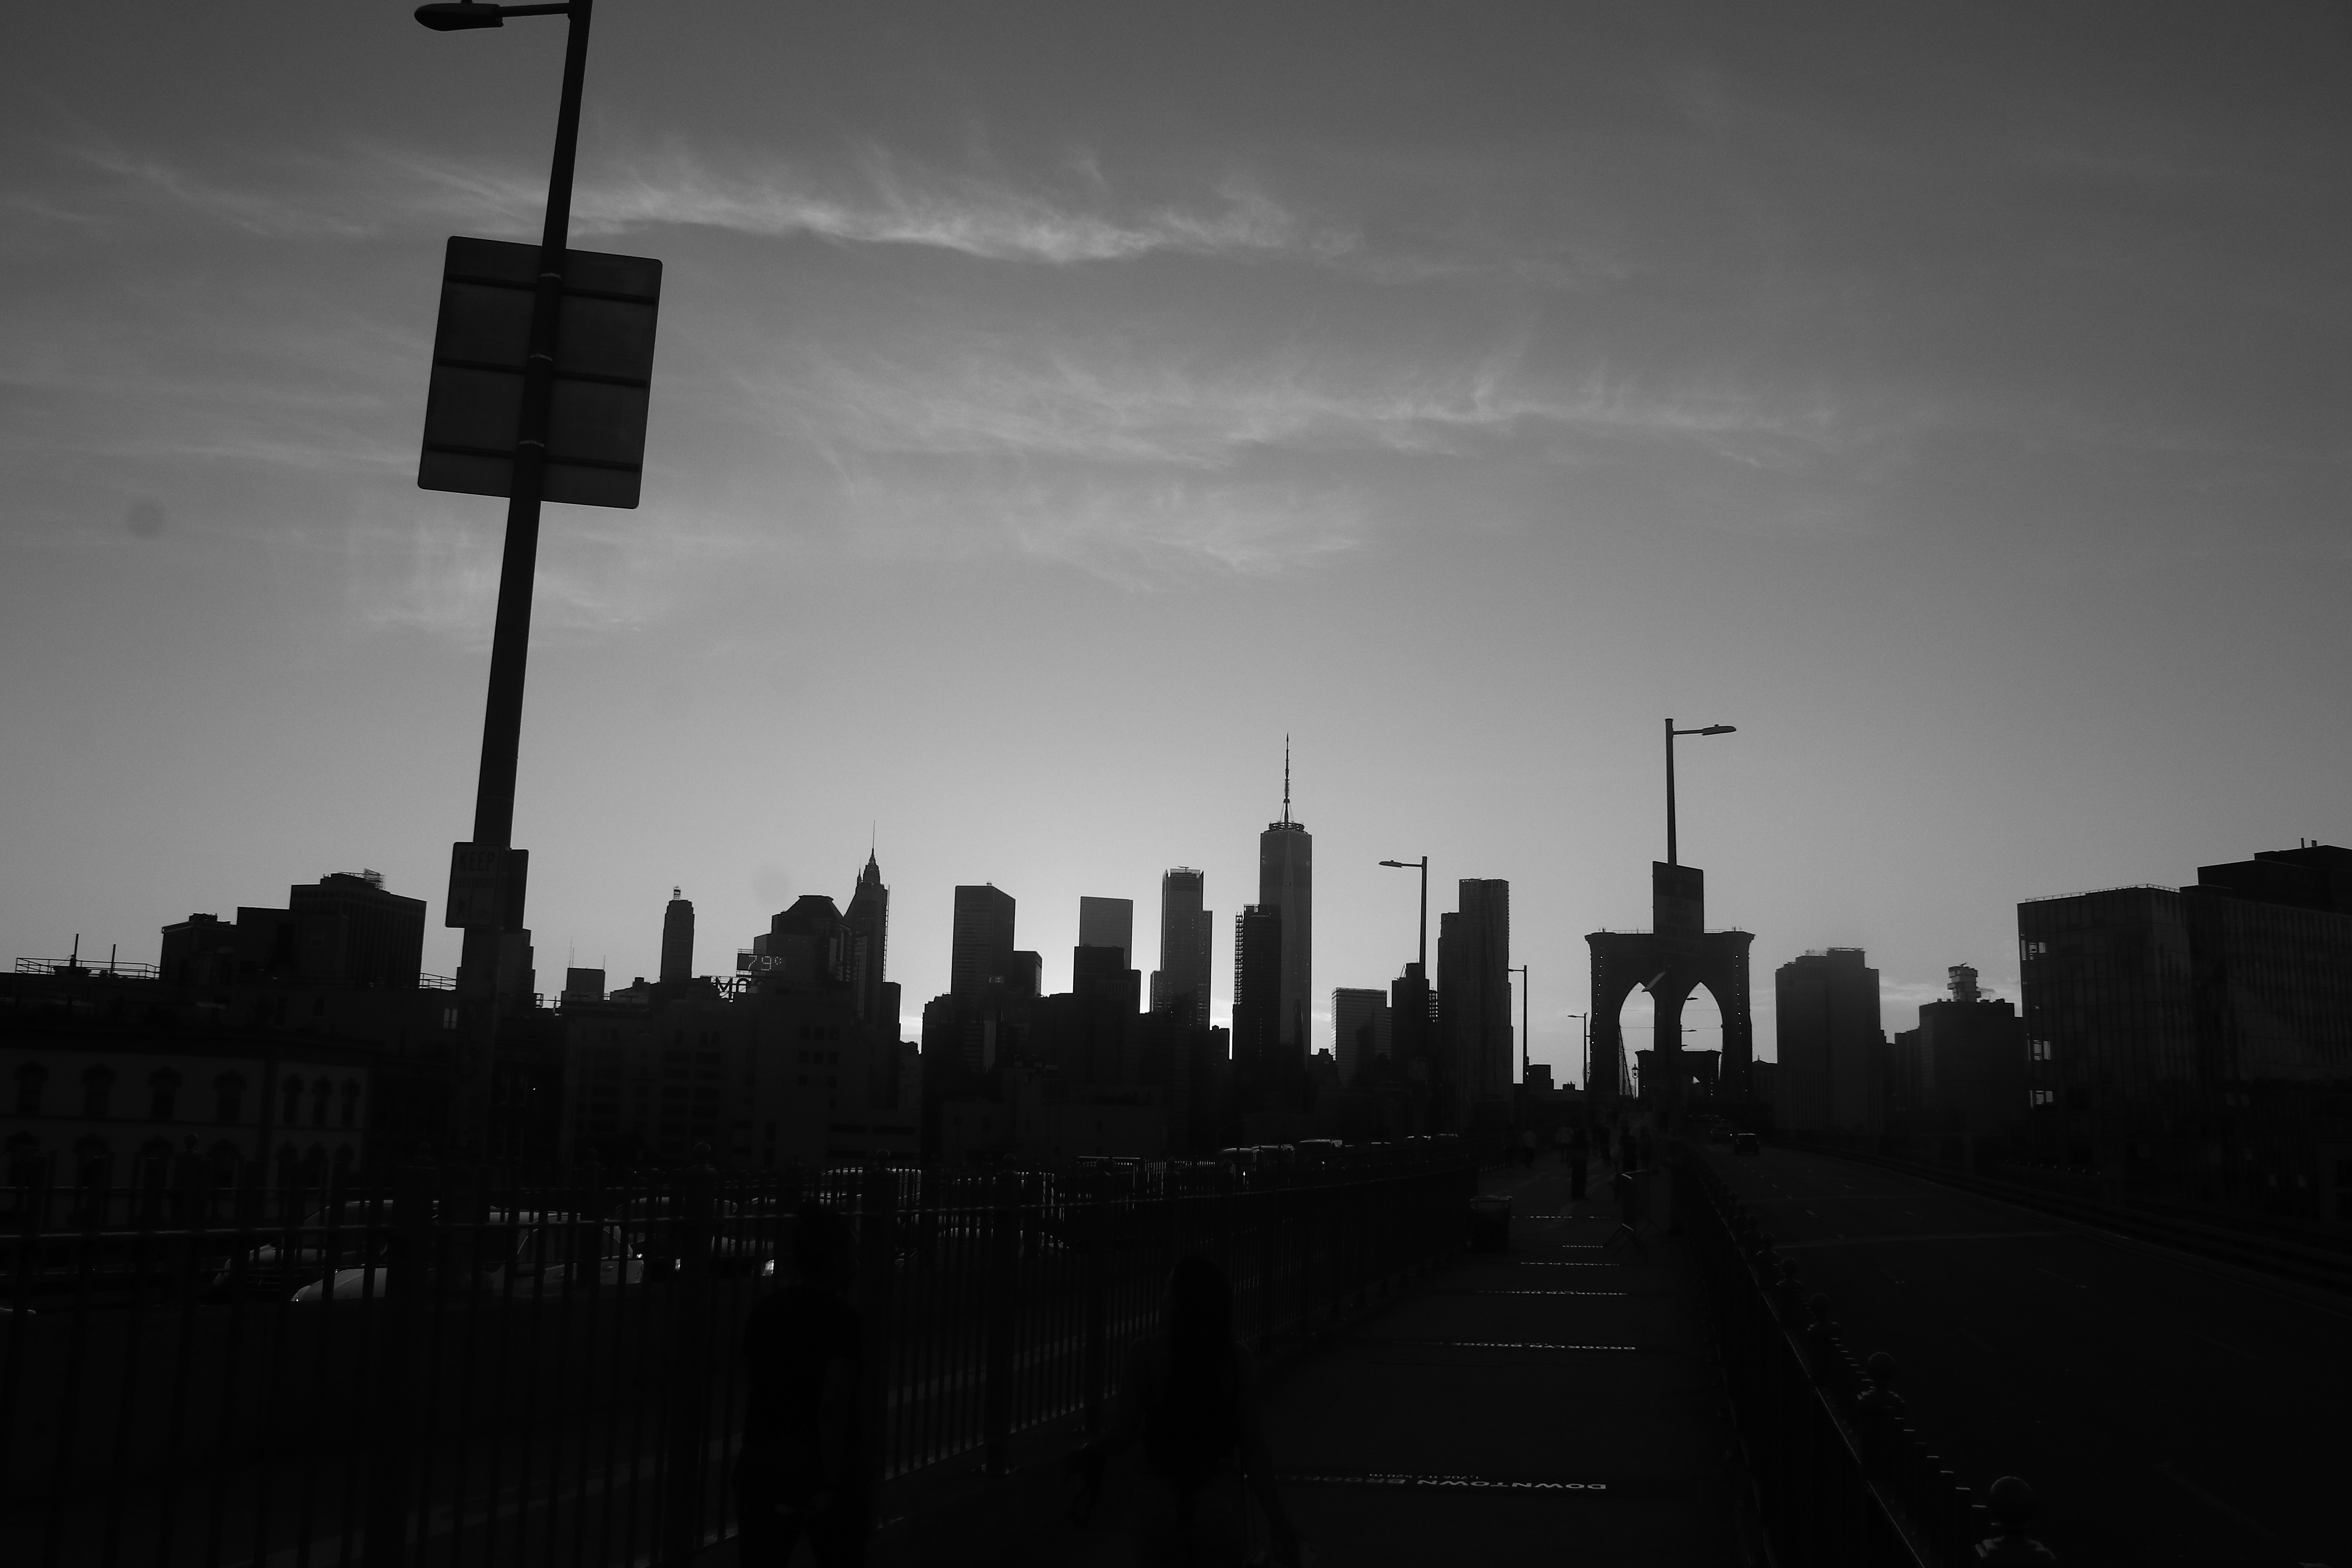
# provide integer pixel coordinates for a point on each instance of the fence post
(686, 1442)
(877, 1247)
(1096, 1232)
(390, 1475)
(1003, 1258)
(1268, 1208)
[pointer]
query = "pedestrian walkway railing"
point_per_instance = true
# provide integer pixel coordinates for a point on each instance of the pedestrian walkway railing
(1840, 1478)
(450, 1371)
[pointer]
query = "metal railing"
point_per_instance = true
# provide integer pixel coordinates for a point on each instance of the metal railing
(1841, 1478)
(88, 968)
(455, 1373)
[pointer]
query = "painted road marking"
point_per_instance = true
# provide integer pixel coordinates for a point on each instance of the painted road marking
(1501, 1345)
(1542, 1292)
(1444, 1483)
(2062, 1279)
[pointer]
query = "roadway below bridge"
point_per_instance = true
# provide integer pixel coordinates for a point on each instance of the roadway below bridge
(2166, 1409)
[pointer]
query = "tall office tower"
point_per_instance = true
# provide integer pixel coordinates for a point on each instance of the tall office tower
(678, 939)
(1107, 922)
(1474, 992)
(1286, 885)
(1360, 1031)
(980, 951)
(1180, 983)
(868, 923)
(2193, 1041)
(1832, 1054)
(1258, 952)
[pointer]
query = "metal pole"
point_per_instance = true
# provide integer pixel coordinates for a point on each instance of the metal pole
(1424, 918)
(1671, 860)
(1521, 970)
(494, 794)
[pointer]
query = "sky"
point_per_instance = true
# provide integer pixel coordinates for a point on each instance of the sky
(1056, 406)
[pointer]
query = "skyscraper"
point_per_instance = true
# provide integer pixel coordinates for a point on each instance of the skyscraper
(1108, 923)
(1359, 1030)
(1180, 983)
(981, 948)
(678, 939)
(1474, 992)
(1832, 1054)
(1285, 887)
(868, 923)
(1258, 949)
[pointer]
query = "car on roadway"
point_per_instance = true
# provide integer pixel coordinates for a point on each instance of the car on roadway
(1746, 1144)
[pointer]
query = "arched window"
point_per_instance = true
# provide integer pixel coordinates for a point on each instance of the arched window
(30, 1079)
(230, 1098)
(314, 1166)
(351, 1102)
(97, 1090)
(293, 1102)
(225, 1159)
(93, 1163)
(290, 1165)
(321, 1092)
(163, 1095)
(346, 1158)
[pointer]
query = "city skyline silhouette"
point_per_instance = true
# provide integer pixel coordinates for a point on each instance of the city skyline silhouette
(831, 542)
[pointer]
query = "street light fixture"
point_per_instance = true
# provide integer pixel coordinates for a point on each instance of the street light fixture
(1671, 732)
(1407, 866)
(1585, 1020)
(493, 796)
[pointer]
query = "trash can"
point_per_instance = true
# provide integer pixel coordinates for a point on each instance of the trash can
(1490, 1225)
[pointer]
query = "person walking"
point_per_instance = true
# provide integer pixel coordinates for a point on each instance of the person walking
(804, 1469)
(1575, 1155)
(1190, 1397)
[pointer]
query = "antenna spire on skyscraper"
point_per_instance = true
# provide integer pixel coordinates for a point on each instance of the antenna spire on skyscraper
(1286, 780)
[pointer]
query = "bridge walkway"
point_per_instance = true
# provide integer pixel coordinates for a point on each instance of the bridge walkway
(1552, 1403)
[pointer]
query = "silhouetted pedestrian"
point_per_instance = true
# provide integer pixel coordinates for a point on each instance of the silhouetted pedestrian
(1191, 1396)
(803, 1469)
(1575, 1174)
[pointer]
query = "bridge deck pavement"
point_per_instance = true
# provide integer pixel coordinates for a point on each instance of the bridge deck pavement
(1448, 1428)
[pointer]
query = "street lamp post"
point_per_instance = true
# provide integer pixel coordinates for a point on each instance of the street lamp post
(494, 793)
(1407, 866)
(1521, 970)
(1585, 1022)
(1672, 859)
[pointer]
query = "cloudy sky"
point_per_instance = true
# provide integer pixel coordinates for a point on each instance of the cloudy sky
(1058, 404)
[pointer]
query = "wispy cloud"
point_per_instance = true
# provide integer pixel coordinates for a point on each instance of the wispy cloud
(883, 200)
(1137, 531)
(1114, 403)
(870, 197)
